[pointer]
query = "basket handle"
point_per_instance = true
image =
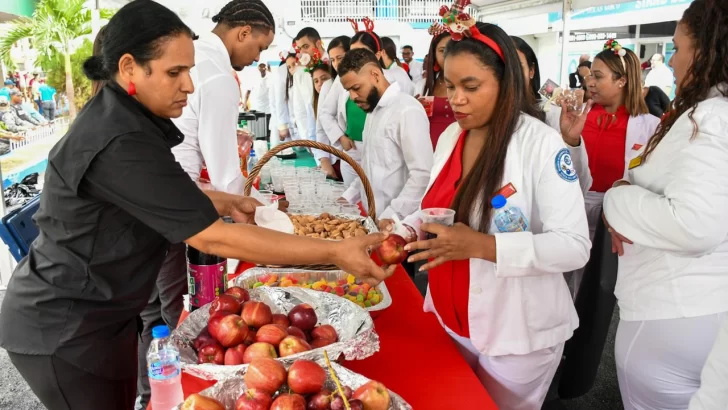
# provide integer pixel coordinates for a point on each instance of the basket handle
(323, 147)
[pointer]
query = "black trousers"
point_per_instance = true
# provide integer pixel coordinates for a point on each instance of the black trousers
(165, 307)
(61, 386)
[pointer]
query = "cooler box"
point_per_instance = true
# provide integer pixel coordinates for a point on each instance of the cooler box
(18, 230)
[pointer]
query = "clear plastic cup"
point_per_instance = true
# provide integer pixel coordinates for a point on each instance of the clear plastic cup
(440, 216)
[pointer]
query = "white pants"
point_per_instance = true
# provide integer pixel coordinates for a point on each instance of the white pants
(593, 202)
(713, 392)
(659, 361)
(514, 382)
(347, 172)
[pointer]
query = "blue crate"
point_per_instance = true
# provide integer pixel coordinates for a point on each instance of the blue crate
(18, 230)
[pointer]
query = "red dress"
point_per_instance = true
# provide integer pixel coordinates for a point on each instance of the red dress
(604, 137)
(450, 282)
(442, 117)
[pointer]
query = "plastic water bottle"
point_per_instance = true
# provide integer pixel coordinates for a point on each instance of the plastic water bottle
(164, 370)
(508, 218)
(252, 162)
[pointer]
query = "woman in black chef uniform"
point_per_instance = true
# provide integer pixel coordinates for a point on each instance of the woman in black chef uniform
(114, 198)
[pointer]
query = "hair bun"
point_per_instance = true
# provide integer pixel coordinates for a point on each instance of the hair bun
(94, 69)
(216, 18)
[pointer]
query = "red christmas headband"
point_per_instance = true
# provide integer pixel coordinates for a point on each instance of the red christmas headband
(368, 28)
(461, 25)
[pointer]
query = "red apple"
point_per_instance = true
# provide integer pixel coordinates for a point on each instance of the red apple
(211, 353)
(272, 334)
(320, 401)
(318, 343)
(234, 355)
(391, 251)
(325, 332)
(199, 402)
(289, 402)
(203, 339)
(303, 317)
(213, 324)
(294, 331)
(225, 303)
(292, 345)
(259, 350)
(257, 314)
(281, 319)
(267, 375)
(374, 395)
(306, 377)
(356, 404)
(238, 293)
(251, 337)
(253, 399)
(231, 331)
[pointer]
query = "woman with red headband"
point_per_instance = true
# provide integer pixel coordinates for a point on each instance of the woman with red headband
(497, 288)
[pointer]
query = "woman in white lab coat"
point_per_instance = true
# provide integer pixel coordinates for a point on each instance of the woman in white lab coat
(669, 224)
(501, 296)
(393, 67)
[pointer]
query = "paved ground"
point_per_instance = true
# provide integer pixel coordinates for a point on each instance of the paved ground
(15, 394)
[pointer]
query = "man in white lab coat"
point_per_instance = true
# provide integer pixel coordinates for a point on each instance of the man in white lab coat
(396, 150)
(309, 46)
(244, 29)
(416, 68)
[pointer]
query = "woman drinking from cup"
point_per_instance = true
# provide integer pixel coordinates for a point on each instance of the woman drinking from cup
(431, 89)
(500, 295)
(669, 225)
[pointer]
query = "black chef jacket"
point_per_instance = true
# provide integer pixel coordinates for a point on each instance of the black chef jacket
(114, 198)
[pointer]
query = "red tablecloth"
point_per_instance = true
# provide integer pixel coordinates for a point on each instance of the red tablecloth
(417, 359)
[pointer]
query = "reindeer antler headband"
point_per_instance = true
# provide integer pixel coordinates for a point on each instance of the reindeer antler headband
(436, 29)
(461, 25)
(368, 28)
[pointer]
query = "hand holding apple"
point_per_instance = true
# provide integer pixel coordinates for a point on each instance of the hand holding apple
(392, 250)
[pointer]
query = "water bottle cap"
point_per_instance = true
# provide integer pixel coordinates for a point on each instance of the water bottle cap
(252, 152)
(159, 332)
(498, 201)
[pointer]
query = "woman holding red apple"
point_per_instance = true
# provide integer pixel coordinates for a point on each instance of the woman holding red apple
(501, 296)
(113, 201)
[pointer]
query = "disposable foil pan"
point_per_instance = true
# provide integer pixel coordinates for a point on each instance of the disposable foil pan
(357, 338)
(228, 391)
(250, 277)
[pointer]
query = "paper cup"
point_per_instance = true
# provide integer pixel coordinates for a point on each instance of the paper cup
(440, 216)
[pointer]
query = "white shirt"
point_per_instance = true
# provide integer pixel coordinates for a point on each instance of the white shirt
(416, 69)
(660, 76)
(302, 103)
(675, 213)
(396, 155)
(259, 94)
(522, 304)
(396, 74)
(209, 122)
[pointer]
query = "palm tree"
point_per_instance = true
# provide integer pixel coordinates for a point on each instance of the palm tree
(54, 26)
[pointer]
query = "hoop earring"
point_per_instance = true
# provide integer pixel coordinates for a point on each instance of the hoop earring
(132, 89)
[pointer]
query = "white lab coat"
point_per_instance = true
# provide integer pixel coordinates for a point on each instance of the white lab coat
(675, 213)
(320, 133)
(396, 155)
(302, 100)
(661, 76)
(279, 105)
(209, 121)
(521, 304)
(416, 69)
(332, 125)
(397, 74)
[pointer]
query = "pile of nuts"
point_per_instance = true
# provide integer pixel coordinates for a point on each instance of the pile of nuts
(326, 226)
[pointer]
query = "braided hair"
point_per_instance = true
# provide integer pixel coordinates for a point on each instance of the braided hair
(238, 13)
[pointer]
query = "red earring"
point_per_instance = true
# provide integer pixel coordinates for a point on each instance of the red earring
(436, 67)
(132, 89)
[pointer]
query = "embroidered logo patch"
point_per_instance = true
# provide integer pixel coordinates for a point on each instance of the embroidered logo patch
(565, 167)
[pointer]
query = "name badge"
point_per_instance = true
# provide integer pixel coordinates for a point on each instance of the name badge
(507, 191)
(635, 162)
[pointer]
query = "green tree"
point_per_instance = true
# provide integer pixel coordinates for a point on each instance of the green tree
(52, 29)
(54, 67)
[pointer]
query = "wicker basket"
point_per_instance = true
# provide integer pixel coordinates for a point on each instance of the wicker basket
(331, 150)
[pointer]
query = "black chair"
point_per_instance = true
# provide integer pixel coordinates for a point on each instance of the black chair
(594, 303)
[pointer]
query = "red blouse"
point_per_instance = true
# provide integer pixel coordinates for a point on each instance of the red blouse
(442, 117)
(604, 137)
(450, 282)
